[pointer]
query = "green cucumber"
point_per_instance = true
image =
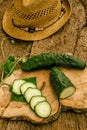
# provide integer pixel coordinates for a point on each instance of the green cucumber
(36, 99)
(61, 84)
(43, 109)
(16, 86)
(26, 85)
(30, 92)
(47, 60)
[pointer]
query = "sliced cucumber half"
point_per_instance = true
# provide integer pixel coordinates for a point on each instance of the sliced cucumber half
(67, 92)
(43, 109)
(16, 86)
(27, 85)
(30, 92)
(35, 100)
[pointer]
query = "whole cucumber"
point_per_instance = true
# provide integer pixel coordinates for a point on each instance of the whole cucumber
(47, 60)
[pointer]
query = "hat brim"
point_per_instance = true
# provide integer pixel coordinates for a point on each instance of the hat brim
(17, 33)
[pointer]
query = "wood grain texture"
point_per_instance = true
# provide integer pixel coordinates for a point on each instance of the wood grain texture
(72, 38)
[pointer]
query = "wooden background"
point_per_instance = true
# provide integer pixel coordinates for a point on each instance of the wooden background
(71, 38)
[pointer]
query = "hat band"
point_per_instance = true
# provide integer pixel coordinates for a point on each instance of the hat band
(33, 29)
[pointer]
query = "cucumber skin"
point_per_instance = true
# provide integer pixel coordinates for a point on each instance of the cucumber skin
(59, 81)
(47, 60)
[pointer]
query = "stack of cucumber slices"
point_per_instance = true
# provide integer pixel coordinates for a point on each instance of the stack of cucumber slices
(33, 96)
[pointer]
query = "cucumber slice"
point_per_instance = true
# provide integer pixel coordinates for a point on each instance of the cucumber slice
(27, 85)
(67, 92)
(16, 86)
(30, 92)
(36, 99)
(43, 109)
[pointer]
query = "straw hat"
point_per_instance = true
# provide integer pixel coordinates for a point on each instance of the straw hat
(35, 19)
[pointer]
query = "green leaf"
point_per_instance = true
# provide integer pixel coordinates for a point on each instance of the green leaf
(9, 65)
(32, 80)
(20, 98)
(11, 58)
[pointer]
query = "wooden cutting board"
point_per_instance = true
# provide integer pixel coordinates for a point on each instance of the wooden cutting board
(21, 111)
(79, 99)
